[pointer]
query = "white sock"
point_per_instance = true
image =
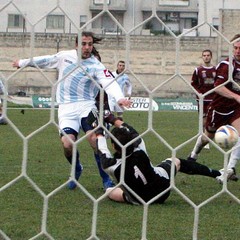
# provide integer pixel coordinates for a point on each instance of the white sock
(198, 147)
(234, 156)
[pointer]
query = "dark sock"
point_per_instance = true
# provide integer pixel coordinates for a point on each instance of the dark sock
(78, 165)
(195, 168)
(103, 175)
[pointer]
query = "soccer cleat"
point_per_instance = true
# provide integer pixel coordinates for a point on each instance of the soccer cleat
(108, 184)
(234, 177)
(3, 121)
(72, 185)
(230, 173)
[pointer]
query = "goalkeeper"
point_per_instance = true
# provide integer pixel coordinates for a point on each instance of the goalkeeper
(146, 180)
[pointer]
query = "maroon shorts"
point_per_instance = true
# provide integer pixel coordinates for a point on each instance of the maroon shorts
(216, 119)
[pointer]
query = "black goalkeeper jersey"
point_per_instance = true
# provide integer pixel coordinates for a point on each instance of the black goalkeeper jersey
(140, 175)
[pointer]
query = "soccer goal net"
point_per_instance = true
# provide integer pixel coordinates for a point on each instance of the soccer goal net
(161, 44)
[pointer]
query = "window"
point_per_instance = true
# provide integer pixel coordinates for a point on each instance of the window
(16, 21)
(55, 21)
(83, 20)
(215, 22)
(100, 1)
(174, 2)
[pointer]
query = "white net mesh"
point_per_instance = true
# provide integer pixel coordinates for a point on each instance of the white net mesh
(55, 210)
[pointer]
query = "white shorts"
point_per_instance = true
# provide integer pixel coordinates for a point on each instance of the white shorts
(71, 114)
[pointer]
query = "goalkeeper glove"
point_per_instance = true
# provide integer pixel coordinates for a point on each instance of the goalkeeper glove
(109, 117)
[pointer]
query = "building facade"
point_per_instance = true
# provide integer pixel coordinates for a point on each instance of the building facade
(138, 16)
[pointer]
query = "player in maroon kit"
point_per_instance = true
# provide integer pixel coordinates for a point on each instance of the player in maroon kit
(203, 81)
(225, 107)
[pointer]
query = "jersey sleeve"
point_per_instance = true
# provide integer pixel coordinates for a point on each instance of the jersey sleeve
(47, 61)
(221, 73)
(194, 81)
(109, 84)
(105, 156)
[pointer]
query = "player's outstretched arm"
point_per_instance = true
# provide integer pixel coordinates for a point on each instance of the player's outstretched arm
(124, 103)
(15, 63)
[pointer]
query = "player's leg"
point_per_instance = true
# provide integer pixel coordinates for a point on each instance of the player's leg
(68, 153)
(234, 119)
(107, 182)
(207, 146)
(199, 145)
(91, 137)
(195, 168)
(213, 121)
(235, 154)
(205, 111)
(115, 194)
(69, 128)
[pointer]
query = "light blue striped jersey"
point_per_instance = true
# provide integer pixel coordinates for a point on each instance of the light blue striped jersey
(124, 83)
(76, 81)
(2, 88)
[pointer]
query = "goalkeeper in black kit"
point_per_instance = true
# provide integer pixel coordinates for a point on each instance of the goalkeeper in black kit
(143, 181)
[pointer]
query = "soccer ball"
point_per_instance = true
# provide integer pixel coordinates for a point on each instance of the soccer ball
(226, 137)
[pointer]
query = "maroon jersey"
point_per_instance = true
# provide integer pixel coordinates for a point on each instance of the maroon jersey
(220, 103)
(203, 80)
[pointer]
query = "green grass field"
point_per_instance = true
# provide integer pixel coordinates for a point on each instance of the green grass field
(69, 215)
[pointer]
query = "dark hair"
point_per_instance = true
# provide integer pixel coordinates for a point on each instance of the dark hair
(236, 37)
(90, 34)
(207, 50)
(124, 136)
(121, 61)
(96, 54)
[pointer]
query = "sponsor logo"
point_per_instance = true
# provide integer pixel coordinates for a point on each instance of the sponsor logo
(142, 104)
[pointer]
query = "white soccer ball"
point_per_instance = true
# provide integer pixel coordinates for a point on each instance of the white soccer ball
(226, 137)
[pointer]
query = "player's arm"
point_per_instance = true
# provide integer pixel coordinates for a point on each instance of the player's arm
(128, 88)
(112, 88)
(225, 92)
(105, 156)
(194, 80)
(48, 61)
(221, 77)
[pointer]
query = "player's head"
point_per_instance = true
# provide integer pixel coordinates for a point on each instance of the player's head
(120, 66)
(236, 46)
(88, 39)
(124, 136)
(207, 56)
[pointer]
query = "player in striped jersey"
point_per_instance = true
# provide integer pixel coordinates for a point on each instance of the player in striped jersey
(78, 84)
(124, 83)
